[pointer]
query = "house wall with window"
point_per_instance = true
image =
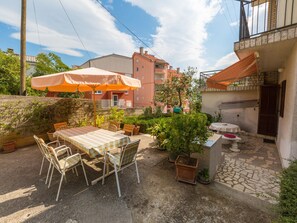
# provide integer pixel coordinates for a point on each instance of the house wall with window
(118, 64)
(287, 130)
(143, 69)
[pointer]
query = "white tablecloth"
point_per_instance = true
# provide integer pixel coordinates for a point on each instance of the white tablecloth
(92, 140)
(224, 127)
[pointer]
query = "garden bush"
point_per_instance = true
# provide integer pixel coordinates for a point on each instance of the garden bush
(288, 194)
(144, 122)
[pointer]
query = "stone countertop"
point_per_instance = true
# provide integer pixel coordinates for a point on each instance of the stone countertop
(212, 140)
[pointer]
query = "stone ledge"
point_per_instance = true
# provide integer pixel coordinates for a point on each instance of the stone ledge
(267, 38)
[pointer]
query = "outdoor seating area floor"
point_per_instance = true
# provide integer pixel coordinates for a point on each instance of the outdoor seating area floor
(254, 170)
(24, 197)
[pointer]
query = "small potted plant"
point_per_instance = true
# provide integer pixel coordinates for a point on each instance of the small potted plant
(9, 146)
(187, 134)
(136, 130)
(50, 134)
(203, 176)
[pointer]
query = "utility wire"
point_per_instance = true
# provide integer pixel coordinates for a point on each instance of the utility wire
(75, 30)
(234, 9)
(129, 30)
(39, 41)
(229, 17)
(228, 23)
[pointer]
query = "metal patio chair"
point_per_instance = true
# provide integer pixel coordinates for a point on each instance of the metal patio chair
(122, 160)
(45, 154)
(64, 165)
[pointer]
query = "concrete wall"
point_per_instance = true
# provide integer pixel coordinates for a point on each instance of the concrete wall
(21, 117)
(113, 62)
(246, 118)
(287, 133)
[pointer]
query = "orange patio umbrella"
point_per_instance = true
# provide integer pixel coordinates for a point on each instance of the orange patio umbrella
(82, 80)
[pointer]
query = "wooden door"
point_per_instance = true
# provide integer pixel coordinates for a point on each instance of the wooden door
(268, 110)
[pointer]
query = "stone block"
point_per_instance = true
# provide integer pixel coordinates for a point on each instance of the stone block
(271, 38)
(241, 44)
(284, 35)
(258, 41)
(276, 36)
(239, 187)
(247, 43)
(253, 42)
(264, 39)
(291, 33)
(236, 46)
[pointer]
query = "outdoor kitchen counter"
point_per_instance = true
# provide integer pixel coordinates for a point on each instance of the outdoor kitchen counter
(211, 158)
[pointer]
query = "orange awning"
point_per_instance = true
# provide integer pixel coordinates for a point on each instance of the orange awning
(241, 69)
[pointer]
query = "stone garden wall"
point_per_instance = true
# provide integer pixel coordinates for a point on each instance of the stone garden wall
(21, 117)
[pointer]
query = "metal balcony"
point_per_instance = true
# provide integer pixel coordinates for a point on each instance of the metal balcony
(260, 16)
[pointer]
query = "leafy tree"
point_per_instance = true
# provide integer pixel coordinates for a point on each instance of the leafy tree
(48, 64)
(9, 73)
(176, 90)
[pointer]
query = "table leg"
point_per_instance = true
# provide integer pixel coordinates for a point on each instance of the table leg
(234, 146)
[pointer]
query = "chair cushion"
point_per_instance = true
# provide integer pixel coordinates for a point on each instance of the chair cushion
(116, 160)
(69, 162)
(231, 136)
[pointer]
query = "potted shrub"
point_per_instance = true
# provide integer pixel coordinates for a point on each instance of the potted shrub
(203, 176)
(50, 134)
(186, 134)
(136, 130)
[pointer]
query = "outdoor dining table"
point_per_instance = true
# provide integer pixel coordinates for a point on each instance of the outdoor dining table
(224, 127)
(93, 141)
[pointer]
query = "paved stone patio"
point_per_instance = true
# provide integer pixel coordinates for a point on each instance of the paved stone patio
(253, 170)
(158, 198)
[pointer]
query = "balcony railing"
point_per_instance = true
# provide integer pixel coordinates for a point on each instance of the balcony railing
(160, 71)
(243, 84)
(260, 16)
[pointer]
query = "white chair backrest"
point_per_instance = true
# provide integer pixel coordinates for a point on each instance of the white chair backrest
(129, 152)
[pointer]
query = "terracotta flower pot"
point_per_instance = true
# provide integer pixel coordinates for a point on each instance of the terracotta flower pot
(186, 169)
(136, 130)
(9, 147)
(51, 136)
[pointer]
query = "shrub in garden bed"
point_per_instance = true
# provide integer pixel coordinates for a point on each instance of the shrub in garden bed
(288, 194)
(143, 122)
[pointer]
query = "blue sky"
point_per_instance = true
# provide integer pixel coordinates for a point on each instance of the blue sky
(184, 33)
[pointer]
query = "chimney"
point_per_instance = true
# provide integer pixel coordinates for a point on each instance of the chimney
(10, 50)
(141, 50)
(177, 70)
(145, 52)
(170, 67)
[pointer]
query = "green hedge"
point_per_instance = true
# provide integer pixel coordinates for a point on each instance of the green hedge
(288, 194)
(142, 121)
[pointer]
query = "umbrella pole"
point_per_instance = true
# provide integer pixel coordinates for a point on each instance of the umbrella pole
(94, 105)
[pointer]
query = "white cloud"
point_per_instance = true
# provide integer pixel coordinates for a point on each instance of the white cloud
(236, 23)
(179, 37)
(226, 61)
(94, 25)
(181, 33)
